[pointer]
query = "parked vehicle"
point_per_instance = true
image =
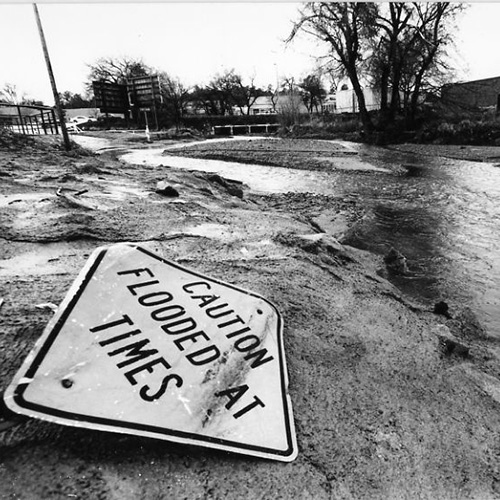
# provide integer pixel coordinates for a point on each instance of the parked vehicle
(77, 123)
(80, 120)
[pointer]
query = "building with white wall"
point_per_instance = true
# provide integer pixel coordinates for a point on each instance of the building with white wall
(347, 102)
(329, 104)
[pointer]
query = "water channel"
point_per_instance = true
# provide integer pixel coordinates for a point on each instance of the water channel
(442, 214)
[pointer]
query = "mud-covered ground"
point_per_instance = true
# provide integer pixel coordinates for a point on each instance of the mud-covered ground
(290, 153)
(390, 400)
(324, 154)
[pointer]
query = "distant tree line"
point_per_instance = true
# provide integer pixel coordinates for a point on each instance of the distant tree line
(226, 93)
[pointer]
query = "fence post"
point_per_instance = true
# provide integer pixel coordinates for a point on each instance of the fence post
(54, 121)
(20, 119)
(43, 123)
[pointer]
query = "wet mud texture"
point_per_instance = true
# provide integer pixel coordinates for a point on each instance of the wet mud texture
(390, 400)
(290, 153)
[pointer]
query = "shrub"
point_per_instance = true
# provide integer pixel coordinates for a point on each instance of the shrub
(327, 126)
(481, 131)
(289, 114)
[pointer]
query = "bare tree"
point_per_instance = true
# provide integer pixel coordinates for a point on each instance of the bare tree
(226, 91)
(225, 86)
(117, 69)
(273, 94)
(433, 34)
(289, 103)
(71, 100)
(313, 92)
(222, 87)
(206, 99)
(386, 62)
(399, 47)
(175, 96)
(347, 28)
(10, 94)
(245, 95)
(409, 51)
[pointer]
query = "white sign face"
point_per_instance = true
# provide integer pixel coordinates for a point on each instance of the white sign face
(144, 346)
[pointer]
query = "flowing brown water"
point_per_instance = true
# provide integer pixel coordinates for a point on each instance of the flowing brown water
(442, 214)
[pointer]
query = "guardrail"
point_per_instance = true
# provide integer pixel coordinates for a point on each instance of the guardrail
(28, 120)
(260, 128)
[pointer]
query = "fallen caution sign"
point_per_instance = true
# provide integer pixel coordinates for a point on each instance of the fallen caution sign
(143, 346)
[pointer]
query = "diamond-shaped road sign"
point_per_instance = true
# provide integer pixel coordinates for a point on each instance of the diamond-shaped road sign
(143, 346)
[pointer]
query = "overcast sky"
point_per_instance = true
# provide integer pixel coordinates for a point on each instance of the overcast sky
(190, 40)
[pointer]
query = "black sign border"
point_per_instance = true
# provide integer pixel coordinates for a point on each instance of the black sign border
(40, 355)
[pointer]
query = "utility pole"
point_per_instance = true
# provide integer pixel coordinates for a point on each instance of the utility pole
(57, 101)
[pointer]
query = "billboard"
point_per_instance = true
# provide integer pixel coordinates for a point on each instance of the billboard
(144, 91)
(111, 97)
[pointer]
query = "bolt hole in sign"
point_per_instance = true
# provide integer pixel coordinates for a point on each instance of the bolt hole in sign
(143, 346)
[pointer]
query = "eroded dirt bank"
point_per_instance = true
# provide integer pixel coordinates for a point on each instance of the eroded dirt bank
(389, 399)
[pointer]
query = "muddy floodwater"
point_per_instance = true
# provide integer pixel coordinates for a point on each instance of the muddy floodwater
(442, 214)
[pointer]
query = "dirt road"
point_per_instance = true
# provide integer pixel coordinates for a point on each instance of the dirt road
(390, 400)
